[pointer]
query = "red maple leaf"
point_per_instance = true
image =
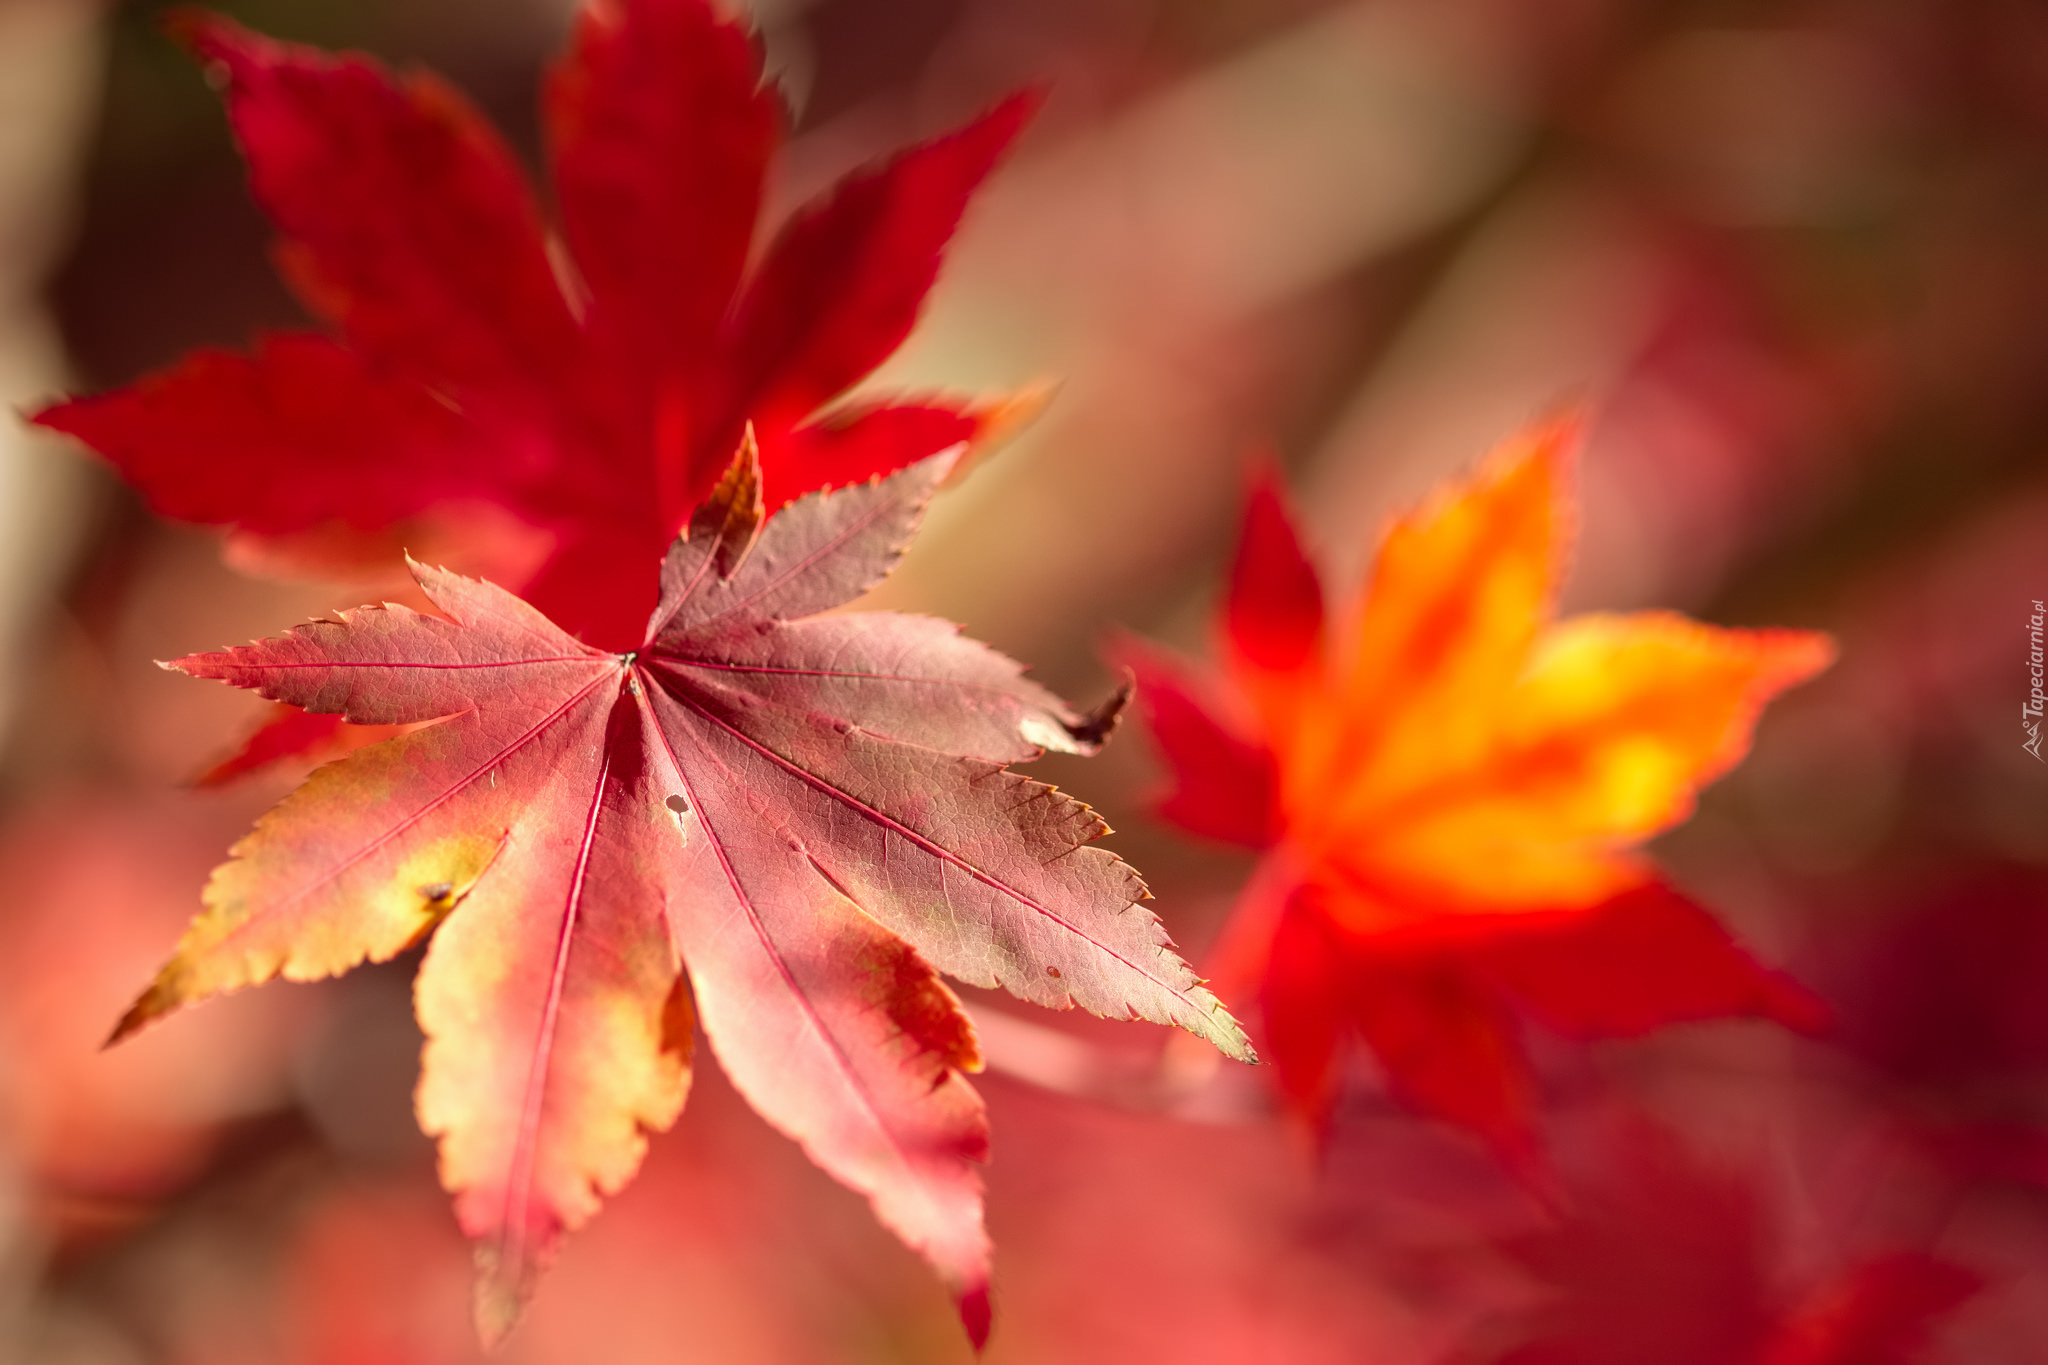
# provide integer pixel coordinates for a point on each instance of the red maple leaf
(547, 418)
(1447, 798)
(811, 813)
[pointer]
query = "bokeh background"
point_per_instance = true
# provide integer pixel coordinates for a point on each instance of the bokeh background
(1794, 256)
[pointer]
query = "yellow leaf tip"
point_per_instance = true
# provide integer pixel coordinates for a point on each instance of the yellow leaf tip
(499, 1304)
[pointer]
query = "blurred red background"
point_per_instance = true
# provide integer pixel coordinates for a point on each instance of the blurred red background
(1793, 255)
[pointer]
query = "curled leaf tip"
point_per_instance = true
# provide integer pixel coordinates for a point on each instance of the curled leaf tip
(1092, 730)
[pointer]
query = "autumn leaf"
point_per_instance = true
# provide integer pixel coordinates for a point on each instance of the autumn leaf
(812, 814)
(596, 392)
(1448, 794)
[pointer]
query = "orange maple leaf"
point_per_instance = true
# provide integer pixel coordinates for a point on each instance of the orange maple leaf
(1451, 790)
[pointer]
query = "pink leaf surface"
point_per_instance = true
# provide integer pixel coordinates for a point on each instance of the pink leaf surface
(809, 815)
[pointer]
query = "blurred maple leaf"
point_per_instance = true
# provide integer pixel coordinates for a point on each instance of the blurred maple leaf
(95, 883)
(1886, 1311)
(1665, 1258)
(811, 812)
(1448, 798)
(547, 419)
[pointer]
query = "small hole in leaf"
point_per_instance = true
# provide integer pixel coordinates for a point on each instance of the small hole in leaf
(678, 805)
(1052, 971)
(438, 891)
